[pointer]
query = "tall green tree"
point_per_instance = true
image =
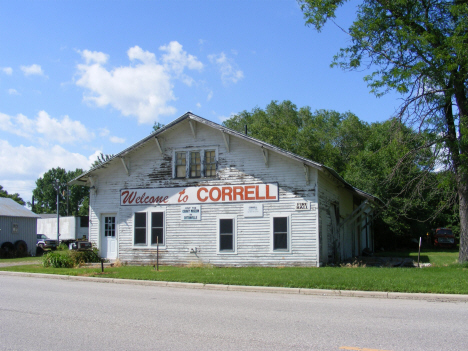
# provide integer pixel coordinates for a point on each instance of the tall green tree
(328, 137)
(15, 196)
(417, 48)
(45, 193)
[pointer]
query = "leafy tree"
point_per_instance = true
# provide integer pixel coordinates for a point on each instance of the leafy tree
(418, 48)
(101, 159)
(15, 196)
(327, 137)
(157, 126)
(366, 156)
(45, 194)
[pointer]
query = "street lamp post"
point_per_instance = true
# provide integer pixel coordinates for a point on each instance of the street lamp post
(57, 187)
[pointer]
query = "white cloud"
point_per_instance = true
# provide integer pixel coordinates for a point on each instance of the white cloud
(198, 105)
(143, 89)
(227, 67)
(104, 132)
(137, 53)
(7, 70)
(32, 70)
(176, 59)
(64, 131)
(27, 163)
(94, 56)
(13, 92)
(210, 95)
(117, 140)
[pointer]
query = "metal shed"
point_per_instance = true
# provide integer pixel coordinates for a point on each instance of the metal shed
(18, 227)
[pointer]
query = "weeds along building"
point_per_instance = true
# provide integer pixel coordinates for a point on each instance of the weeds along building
(199, 192)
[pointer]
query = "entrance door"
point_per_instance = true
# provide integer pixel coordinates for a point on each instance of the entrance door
(108, 239)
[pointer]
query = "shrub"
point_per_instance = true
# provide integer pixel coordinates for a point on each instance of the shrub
(69, 258)
(57, 259)
(62, 247)
(80, 257)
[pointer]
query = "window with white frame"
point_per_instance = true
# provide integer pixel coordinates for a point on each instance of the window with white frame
(227, 234)
(148, 229)
(195, 163)
(281, 235)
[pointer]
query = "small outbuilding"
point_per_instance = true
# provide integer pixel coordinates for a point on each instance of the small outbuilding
(196, 191)
(18, 228)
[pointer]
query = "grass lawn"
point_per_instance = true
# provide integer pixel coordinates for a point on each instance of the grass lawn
(442, 278)
(21, 259)
(432, 256)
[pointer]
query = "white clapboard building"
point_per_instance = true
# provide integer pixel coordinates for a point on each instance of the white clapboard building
(196, 191)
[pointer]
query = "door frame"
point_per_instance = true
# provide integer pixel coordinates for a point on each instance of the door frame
(102, 237)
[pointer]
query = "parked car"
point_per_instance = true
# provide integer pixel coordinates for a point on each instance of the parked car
(443, 237)
(44, 242)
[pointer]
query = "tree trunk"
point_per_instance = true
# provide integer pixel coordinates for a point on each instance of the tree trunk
(462, 172)
(462, 183)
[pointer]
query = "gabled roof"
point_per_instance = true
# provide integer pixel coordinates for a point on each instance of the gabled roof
(10, 208)
(83, 178)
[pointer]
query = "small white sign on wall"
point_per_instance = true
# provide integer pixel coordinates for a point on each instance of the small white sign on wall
(190, 213)
(303, 206)
(253, 210)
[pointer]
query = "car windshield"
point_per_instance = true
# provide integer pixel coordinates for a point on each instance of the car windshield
(444, 232)
(41, 236)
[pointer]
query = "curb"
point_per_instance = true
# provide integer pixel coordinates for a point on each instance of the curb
(261, 289)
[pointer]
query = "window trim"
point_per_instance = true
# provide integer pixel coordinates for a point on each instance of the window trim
(218, 234)
(188, 151)
(272, 234)
(148, 228)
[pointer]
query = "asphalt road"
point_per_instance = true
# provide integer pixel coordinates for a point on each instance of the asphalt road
(50, 314)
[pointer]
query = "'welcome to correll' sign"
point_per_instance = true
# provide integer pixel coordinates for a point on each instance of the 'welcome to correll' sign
(199, 195)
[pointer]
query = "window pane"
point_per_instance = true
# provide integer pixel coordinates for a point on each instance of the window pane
(140, 219)
(140, 236)
(109, 226)
(195, 164)
(157, 219)
(84, 221)
(140, 228)
(157, 234)
(157, 228)
(210, 163)
(280, 242)
(280, 233)
(280, 224)
(180, 164)
(225, 226)
(226, 242)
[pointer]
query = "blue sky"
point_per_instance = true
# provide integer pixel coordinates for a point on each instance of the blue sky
(78, 78)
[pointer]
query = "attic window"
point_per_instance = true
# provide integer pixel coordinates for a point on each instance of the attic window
(195, 163)
(180, 170)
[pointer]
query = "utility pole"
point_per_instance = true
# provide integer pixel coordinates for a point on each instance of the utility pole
(67, 194)
(57, 187)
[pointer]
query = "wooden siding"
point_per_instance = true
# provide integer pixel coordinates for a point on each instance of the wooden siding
(243, 164)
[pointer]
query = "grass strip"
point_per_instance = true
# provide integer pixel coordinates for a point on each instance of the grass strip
(448, 279)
